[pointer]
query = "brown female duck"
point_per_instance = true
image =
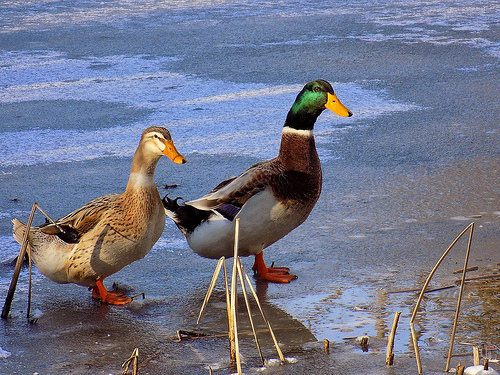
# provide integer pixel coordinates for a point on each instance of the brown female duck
(109, 232)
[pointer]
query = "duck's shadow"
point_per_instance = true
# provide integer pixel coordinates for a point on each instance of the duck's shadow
(84, 334)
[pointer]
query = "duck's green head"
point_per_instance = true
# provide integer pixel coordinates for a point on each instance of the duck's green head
(315, 97)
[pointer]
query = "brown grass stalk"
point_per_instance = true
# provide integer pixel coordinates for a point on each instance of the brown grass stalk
(413, 334)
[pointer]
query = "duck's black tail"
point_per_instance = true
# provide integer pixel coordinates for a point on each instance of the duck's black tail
(185, 216)
(170, 204)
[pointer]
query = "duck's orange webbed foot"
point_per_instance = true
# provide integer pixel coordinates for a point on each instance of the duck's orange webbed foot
(99, 292)
(275, 274)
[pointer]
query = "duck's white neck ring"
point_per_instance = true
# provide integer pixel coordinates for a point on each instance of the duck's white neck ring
(303, 133)
(141, 180)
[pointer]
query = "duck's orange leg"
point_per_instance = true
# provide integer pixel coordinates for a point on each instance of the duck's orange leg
(276, 274)
(113, 298)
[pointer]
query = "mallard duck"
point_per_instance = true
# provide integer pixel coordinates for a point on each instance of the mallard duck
(108, 233)
(271, 198)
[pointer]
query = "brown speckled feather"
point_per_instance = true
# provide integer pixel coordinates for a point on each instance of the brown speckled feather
(84, 219)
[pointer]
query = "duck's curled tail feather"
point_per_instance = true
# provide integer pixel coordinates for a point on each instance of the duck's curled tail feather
(18, 230)
(187, 218)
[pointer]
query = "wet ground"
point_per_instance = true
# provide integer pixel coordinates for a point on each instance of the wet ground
(415, 165)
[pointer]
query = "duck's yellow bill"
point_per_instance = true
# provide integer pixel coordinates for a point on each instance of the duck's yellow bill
(334, 105)
(173, 154)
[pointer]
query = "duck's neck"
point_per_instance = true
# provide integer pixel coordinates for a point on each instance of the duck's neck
(298, 150)
(142, 171)
(302, 118)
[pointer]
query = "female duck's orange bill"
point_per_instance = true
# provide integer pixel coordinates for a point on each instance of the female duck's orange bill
(172, 153)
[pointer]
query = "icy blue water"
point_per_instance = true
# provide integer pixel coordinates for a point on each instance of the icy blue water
(246, 118)
(192, 105)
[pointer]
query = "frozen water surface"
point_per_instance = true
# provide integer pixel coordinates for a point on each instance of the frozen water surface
(417, 162)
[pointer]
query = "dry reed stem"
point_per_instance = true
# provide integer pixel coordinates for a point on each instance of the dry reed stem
(244, 289)
(49, 218)
(389, 359)
(418, 290)
(486, 364)
(134, 361)
(415, 347)
(230, 323)
(434, 270)
(234, 291)
(17, 268)
(20, 259)
(30, 269)
(280, 354)
(477, 278)
(412, 328)
(210, 289)
(138, 294)
(475, 352)
(231, 303)
(189, 334)
(460, 294)
(473, 268)
(230, 326)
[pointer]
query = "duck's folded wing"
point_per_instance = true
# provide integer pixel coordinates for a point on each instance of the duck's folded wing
(237, 190)
(74, 225)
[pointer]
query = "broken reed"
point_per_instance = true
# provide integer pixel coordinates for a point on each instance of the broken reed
(234, 293)
(238, 272)
(462, 283)
(17, 269)
(134, 361)
(25, 249)
(389, 359)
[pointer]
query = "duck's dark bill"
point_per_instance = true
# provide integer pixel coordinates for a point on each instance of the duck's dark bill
(334, 105)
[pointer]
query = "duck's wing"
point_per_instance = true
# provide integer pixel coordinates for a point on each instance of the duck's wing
(72, 227)
(232, 194)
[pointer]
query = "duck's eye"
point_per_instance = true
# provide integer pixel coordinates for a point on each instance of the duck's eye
(317, 89)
